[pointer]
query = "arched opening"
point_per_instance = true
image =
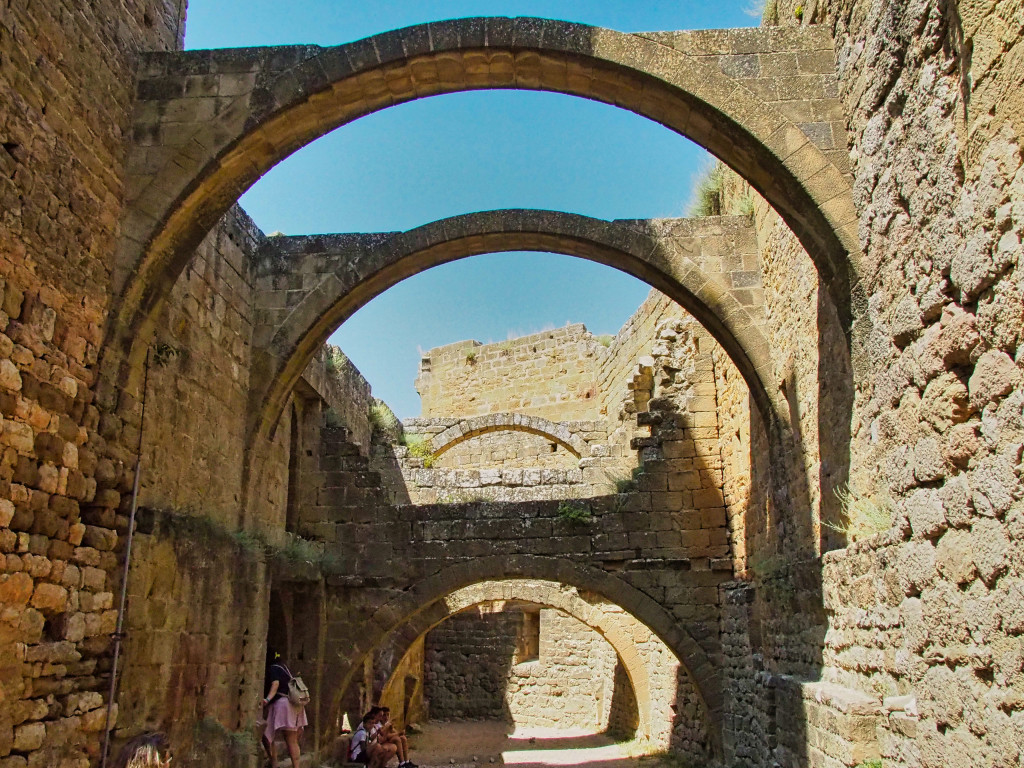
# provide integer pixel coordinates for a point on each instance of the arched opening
(259, 127)
(283, 349)
(470, 428)
(666, 696)
(668, 255)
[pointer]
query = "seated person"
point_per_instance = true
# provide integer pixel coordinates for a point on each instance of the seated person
(365, 748)
(387, 734)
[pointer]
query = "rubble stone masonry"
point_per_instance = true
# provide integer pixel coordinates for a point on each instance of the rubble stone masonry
(825, 531)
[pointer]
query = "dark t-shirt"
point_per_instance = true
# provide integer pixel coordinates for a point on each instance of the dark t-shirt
(280, 673)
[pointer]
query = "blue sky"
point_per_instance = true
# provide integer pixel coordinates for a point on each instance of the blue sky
(443, 156)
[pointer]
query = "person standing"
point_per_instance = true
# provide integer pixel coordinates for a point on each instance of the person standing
(280, 713)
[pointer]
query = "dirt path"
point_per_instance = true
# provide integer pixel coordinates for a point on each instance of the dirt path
(469, 743)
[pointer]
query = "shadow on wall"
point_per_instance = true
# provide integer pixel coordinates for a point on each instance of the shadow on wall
(536, 665)
(529, 668)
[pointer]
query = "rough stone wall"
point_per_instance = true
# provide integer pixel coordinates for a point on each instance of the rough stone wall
(633, 341)
(734, 429)
(404, 692)
(934, 104)
(623, 715)
(446, 486)
(570, 684)
(342, 388)
(467, 665)
(194, 656)
(198, 376)
(472, 670)
(67, 83)
(682, 461)
(920, 619)
(551, 374)
(197, 594)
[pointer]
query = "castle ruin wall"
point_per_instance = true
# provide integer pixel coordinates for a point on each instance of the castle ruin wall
(551, 374)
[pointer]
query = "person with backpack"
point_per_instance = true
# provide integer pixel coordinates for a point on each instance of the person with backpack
(284, 709)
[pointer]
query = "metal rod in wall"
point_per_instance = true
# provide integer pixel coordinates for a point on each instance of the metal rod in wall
(119, 631)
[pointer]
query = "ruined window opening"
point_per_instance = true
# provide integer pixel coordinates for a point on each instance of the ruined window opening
(528, 637)
(554, 447)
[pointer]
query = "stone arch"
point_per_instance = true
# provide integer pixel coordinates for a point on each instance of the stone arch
(415, 606)
(508, 422)
(667, 254)
(618, 630)
(195, 154)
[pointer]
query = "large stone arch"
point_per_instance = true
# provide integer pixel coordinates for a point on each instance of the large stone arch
(210, 123)
(683, 258)
(416, 607)
(622, 631)
(467, 429)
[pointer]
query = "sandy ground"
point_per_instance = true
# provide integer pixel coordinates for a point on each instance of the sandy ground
(480, 744)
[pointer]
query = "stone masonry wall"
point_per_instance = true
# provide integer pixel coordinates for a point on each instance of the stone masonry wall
(198, 376)
(472, 671)
(920, 618)
(734, 429)
(194, 658)
(67, 85)
(933, 95)
(342, 388)
(191, 617)
(913, 629)
(466, 667)
(551, 374)
(633, 341)
(571, 683)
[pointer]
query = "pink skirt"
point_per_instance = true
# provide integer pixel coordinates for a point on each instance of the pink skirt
(282, 715)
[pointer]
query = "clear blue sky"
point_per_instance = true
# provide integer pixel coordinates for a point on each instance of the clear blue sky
(453, 154)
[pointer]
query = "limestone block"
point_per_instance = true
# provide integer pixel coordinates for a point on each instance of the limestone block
(96, 719)
(991, 548)
(928, 461)
(916, 566)
(926, 514)
(993, 485)
(94, 578)
(961, 444)
(99, 538)
(50, 598)
(905, 322)
(10, 377)
(74, 627)
(490, 477)
(954, 556)
(19, 436)
(29, 737)
(995, 375)
(15, 588)
(977, 265)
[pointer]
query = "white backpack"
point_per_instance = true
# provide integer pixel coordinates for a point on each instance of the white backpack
(298, 691)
